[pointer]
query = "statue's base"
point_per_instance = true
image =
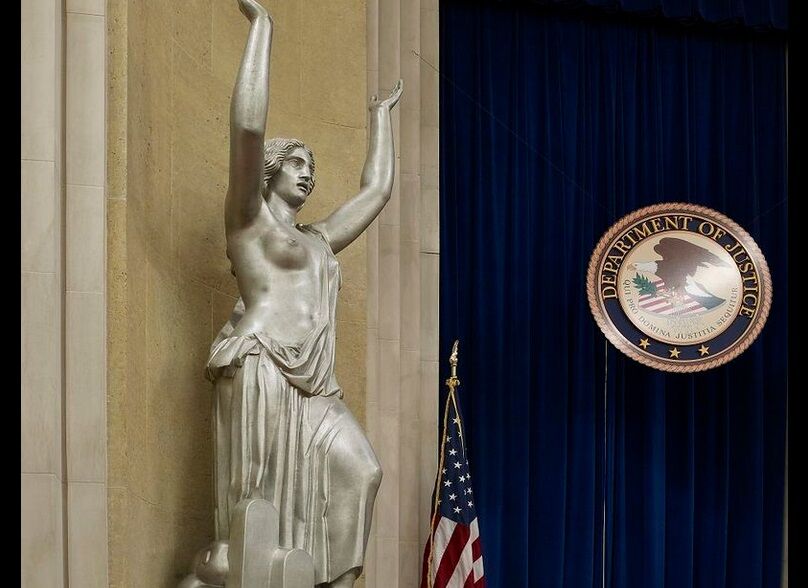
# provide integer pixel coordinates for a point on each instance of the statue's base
(252, 558)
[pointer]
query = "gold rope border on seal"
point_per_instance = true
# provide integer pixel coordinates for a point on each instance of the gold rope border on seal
(619, 341)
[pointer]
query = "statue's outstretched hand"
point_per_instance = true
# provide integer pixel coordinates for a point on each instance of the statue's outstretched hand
(252, 9)
(390, 101)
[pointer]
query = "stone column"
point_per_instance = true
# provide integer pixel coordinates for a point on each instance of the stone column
(402, 382)
(42, 273)
(85, 291)
(63, 393)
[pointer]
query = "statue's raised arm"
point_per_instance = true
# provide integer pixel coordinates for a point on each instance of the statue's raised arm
(248, 119)
(348, 221)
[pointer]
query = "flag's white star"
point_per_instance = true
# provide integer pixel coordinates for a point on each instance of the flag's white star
(457, 465)
(452, 496)
(462, 478)
(447, 483)
(471, 503)
(457, 509)
(444, 470)
(456, 420)
(452, 451)
(468, 491)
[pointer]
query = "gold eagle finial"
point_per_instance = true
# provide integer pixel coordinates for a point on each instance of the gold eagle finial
(453, 382)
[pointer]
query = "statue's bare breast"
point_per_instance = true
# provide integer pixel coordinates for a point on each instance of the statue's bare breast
(277, 272)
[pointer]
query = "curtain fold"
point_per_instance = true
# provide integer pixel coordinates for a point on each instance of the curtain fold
(553, 127)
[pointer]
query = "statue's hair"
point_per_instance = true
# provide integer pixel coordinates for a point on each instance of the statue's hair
(276, 150)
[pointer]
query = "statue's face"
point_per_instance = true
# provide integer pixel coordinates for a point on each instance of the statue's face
(293, 182)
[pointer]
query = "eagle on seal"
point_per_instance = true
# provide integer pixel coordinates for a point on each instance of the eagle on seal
(677, 268)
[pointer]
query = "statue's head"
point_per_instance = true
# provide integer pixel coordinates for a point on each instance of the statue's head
(288, 169)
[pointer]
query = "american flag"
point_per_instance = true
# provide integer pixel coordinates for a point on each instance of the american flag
(661, 304)
(453, 556)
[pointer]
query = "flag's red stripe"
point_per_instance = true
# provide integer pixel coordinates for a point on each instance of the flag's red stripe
(452, 555)
(476, 551)
(685, 308)
(458, 543)
(656, 304)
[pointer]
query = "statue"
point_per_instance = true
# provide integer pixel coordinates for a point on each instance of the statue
(282, 431)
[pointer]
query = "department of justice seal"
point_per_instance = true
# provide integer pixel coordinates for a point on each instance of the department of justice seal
(679, 287)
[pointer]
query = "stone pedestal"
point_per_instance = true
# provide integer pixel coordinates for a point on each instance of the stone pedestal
(252, 558)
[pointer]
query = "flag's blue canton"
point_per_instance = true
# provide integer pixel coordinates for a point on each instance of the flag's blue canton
(456, 497)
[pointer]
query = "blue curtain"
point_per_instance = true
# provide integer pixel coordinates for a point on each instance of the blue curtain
(754, 14)
(552, 127)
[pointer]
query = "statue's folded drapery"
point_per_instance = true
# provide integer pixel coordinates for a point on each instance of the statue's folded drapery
(283, 434)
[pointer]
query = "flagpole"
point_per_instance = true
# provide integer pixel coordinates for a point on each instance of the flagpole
(452, 382)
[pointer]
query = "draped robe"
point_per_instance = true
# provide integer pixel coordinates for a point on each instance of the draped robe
(283, 434)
